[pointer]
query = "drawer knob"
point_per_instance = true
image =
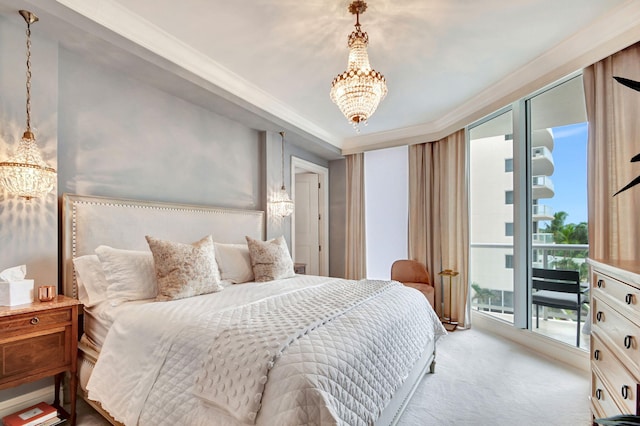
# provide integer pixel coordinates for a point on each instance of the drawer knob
(599, 316)
(598, 394)
(34, 320)
(596, 354)
(628, 341)
(625, 391)
(599, 284)
(629, 299)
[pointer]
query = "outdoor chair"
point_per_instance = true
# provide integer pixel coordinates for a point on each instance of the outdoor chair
(558, 289)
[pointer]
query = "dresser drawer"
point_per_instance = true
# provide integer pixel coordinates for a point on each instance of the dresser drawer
(620, 384)
(35, 321)
(618, 332)
(601, 399)
(623, 297)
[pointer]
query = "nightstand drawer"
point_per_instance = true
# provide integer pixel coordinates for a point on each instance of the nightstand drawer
(33, 355)
(622, 297)
(601, 398)
(34, 321)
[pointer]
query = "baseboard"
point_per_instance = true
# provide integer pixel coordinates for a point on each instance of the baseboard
(25, 400)
(543, 345)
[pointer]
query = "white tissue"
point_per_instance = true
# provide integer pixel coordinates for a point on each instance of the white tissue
(15, 273)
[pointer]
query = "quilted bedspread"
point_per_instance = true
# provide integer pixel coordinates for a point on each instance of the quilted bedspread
(335, 366)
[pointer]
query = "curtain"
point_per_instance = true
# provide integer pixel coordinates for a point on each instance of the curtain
(439, 219)
(614, 138)
(356, 259)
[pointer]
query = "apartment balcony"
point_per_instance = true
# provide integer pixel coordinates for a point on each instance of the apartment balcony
(542, 187)
(542, 161)
(541, 212)
(496, 297)
(542, 137)
(542, 238)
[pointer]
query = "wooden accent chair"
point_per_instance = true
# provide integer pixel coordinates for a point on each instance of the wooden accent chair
(414, 274)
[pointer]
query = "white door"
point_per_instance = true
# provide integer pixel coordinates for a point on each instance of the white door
(307, 248)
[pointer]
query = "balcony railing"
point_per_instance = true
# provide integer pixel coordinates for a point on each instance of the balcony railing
(542, 238)
(542, 212)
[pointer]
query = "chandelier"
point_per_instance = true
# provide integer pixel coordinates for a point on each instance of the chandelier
(281, 204)
(359, 89)
(26, 174)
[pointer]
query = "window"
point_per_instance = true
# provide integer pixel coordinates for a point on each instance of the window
(508, 229)
(508, 165)
(508, 261)
(508, 197)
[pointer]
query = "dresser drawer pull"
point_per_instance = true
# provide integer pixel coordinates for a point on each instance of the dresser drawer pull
(34, 320)
(599, 316)
(596, 354)
(598, 394)
(629, 299)
(600, 282)
(625, 391)
(628, 341)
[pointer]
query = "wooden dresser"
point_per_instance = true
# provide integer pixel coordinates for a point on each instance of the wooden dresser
(615, 338)
(40, 340)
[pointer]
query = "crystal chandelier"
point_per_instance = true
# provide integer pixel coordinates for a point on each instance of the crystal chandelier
(281, 204)
(359, 89)
(26, 174)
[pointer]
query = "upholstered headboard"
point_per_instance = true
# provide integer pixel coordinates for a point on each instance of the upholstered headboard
(88, 222)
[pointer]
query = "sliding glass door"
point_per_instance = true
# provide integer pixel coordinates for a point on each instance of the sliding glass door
(528, 207)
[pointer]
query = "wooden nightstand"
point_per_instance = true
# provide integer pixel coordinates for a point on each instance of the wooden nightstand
(300, 268)
(40, 340)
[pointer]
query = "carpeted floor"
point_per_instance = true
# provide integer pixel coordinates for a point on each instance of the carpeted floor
(483, 380)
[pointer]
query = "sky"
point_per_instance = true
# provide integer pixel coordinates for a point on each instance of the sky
(570, 174)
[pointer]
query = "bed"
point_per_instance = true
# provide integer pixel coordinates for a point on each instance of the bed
(294, 350)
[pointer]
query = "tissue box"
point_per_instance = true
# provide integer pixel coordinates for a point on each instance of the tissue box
(16, 292)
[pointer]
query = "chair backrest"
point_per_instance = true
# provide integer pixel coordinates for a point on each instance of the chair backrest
(409, 271)
(556, 280)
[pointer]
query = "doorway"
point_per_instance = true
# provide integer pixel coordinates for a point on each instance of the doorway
(310, 219)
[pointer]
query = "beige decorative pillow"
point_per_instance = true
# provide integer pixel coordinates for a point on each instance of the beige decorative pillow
(184, 270)
(270, 259)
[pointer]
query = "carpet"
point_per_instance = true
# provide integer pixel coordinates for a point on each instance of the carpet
(483, 379)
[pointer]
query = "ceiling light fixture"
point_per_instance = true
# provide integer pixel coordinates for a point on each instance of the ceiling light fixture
(359, 89)
(281, 204)
(26, 174)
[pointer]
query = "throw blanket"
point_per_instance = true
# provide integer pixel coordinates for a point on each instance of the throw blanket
(235, 370)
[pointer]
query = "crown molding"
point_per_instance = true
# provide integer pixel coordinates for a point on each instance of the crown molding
(610, 33)
(135, 28)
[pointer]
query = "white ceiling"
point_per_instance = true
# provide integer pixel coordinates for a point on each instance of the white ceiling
(447, 62)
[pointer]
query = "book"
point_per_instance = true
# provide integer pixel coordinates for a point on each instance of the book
(52, 421)
(31, 416)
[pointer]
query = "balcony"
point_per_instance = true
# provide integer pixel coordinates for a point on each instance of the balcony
(493, 293)
(542, 161)
(542, 137)
(542, 238)
(541, 212)
(542, 187)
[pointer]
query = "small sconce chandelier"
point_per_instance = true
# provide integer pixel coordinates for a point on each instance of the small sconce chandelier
(26, 174)
(281, 204)
(359, 89)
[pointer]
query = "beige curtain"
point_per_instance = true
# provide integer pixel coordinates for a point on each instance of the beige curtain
(439, 218)
(356, 260)
(614, 138)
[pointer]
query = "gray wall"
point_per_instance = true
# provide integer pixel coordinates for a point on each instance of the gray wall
(111, 135)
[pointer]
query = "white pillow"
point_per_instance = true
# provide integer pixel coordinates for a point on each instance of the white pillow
(130, 274)
(234, 262)
(92, 284)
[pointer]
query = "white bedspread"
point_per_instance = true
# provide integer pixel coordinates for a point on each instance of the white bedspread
(344, 372)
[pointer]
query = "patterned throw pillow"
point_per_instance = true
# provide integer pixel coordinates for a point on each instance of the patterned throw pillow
(184, 270)
(270, 259)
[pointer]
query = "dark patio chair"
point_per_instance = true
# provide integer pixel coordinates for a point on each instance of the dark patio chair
(559, 289)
